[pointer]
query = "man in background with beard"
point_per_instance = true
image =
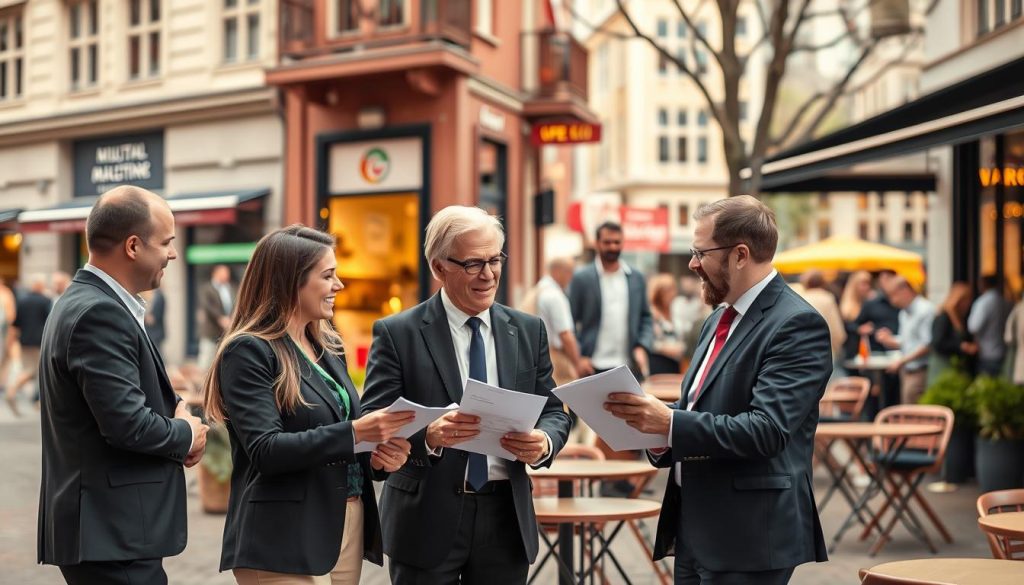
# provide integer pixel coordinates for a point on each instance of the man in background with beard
(609, 307)
(739, 507)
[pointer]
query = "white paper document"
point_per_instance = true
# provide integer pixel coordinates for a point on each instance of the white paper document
(586, 397)
(501, 411)
(424, 416)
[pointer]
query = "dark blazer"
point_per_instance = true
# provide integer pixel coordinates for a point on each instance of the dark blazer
(112, 482)
(288, 484)
(585, 299)
(413, 356)
(211, 308)
(746, 502)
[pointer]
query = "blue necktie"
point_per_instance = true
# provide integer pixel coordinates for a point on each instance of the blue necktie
(477, 474)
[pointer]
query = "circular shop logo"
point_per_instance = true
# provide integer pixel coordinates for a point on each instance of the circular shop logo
(375, 165)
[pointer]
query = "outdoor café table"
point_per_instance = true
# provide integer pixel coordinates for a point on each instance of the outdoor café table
(1006, 524)
(566, 471)
(589, 513)
(958, 571)
(858, 436)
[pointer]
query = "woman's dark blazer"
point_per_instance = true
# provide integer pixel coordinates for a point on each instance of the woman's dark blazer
(289, 483)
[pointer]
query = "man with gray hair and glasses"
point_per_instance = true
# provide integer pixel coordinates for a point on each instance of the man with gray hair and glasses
(450, 516)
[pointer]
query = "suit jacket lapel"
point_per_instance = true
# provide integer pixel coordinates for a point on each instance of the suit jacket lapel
(698, 356)
(438, 339)
(506, 346)
(750, 320)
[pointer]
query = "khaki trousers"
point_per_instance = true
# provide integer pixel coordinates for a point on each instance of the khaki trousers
(345, 572)
(912, 385)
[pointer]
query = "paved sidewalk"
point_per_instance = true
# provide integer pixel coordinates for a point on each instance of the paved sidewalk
(19, 492)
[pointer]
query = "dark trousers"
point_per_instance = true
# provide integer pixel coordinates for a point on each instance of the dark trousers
(689, 572)
(488, 547)
(137, 572)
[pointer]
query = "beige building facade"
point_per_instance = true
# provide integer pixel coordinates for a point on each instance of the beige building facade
(166, 94)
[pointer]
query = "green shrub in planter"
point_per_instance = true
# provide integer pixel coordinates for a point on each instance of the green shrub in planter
(217, 458)
(950, 388)
(1000, 408)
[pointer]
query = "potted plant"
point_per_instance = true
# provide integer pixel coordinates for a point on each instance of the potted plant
(215, 471)
(999, 455)
(950, 389)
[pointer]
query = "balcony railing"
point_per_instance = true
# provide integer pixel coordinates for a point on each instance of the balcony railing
(316, 27)
(563, 66)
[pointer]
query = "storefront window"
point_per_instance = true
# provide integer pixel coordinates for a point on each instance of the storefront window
(1001, 172)
(378, 251)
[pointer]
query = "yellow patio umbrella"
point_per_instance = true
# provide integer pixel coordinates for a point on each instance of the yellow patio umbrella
(847, 254)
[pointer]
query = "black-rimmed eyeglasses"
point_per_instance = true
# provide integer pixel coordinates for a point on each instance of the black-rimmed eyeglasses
(699, 254)
(474, 267)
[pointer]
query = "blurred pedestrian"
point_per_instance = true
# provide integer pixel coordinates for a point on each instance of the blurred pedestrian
(914, 341)
(951, 341)
(878, 312)
(547, 300)
(155, 308)
(8, 338)
(609, 307)
(689, 313)
(987, 323)
(667, 345)
(818, 296)
(32, 310)
(856, 292)
(216, 302)
(59, 282)
(112, 498)
(1014, 337)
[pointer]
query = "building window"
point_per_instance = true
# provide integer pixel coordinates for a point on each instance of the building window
(681, 59)
(684, 215)
(681, 29)
(881, 200)
(662, 28)
(83, 46)
(241, 30)
(662, 64)
(881, 233)
(484, 16)
(702, 119)
(391, 12)
(702, 62)
(862, 201)
(681, 149)
(1016, 9)
(662, 117)
(346, 15)
(982, 16)
(702, 149)
(908, 200)
(143, 38)
(743, 111)
(663, 149)
(823, 201)
(681, 118)
(12, 56)
(908, 231)
(999, 13)
(924, 230)
(824, 229)
(741, 26)
(862, 230)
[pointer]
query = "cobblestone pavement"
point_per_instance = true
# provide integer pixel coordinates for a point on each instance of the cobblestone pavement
(19, 492)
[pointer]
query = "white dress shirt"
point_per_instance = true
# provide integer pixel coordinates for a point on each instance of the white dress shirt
(554, 310)
(136, 306)
(462, 335)
(612, 347)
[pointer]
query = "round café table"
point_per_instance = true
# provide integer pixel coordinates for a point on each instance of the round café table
(590, 514)
(568, 471)
(958, 571)
(858, 436)
(1006, 525)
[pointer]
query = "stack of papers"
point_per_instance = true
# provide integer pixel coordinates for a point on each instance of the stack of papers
(424, 416)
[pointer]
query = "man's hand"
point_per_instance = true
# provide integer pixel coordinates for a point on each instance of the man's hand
(380, 426)
(886, 338)
(866, 328)
(390, 456)
(530, 448)
(584, 368)
(452, 429)
(199, 431)
(646, 414)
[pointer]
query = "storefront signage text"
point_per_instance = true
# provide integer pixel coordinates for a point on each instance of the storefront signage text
(107, 162)
(374, 165)
(1009, 176)
(565, 133)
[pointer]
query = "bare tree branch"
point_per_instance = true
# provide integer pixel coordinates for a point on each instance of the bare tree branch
(836, 93)
(696, 31)
(826, 45)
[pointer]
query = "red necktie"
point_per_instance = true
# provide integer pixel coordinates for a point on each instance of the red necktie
(721, 334)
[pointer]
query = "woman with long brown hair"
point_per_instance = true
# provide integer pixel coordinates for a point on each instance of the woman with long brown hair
(667, 350)
(950, 337)
(302, 507)
(857, 290)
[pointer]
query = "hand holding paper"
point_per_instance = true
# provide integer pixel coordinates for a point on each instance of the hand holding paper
(501, 412)
(418, 416)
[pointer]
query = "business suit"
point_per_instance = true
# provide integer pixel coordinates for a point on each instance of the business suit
(585, 300)
(745, 504)
(287, 508)
(422, 503)
(112, 482)
(212, 309)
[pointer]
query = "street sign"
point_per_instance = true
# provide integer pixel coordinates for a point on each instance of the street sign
(565, 133)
